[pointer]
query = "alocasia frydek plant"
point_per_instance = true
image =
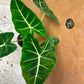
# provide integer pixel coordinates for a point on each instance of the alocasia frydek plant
(37, 61)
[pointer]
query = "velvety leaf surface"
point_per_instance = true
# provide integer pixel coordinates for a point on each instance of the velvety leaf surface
(6, 47)
(25, 20)
(56, 41)
(37, 63)
(41, 4)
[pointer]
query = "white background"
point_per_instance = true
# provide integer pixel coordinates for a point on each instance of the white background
(10, 71)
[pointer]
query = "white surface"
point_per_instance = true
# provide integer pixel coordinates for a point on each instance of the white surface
(10, 71)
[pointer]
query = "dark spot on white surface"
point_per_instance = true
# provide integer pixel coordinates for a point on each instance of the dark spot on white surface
(4, 69)
(17, 49)
(4, 16)
(11, 65)
(0, 59)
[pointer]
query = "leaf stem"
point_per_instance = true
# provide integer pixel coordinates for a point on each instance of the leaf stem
(17, 41)
(42, 17)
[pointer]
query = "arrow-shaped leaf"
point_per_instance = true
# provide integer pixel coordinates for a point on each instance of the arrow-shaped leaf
(41, 4)
(37, 63)
(25, 20)
(6, 47)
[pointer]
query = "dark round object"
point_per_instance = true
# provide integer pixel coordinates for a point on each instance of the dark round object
(4, 16)
(69, 23)
(20, 42)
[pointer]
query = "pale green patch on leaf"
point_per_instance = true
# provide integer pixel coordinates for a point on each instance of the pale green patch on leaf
(6, 47)
(25, 21)
(37, 63)
(41, 4)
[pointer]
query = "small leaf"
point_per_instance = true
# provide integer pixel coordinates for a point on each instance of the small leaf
(56, 40)
(41, 4)
(37, 63)
(6, 47)
(25, 20)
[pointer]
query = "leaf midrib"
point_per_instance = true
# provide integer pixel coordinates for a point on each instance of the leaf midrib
(23, 16)
(2, 45)
(5, 42)
(39, 57)
(38, 62)
(40, 3)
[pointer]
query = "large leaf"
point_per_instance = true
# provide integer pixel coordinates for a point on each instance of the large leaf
(6, 47)
(37, 63)
(41, 4)
(25, 20)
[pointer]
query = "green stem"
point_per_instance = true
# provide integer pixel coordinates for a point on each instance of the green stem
(17, 41)
(42, 17)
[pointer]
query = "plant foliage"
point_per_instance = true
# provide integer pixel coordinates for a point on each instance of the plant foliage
(25, 20)
(41, 4)
(6, 47)
(37, 63)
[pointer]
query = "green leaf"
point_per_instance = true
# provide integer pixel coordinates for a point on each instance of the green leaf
(25, 20)
(41, 4)
(37, 63)
(56, 41)
(6, 47)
